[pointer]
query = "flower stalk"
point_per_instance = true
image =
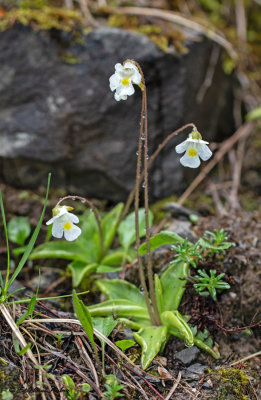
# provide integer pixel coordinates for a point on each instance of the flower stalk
(136, 207)
(122, 81)
(143, 149)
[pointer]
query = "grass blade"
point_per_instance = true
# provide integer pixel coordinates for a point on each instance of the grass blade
(30, 245)
(7, 242)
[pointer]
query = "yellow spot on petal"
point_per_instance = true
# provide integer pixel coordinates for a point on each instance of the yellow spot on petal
(125, 81)
(68, 226)
(192, 152)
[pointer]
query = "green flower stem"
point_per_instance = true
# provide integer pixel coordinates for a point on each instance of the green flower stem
(95, 212)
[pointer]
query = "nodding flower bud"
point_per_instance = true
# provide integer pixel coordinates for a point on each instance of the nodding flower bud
(56, 210)
(196, 135)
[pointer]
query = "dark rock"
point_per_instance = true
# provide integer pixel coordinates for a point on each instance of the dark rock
(194, 371)
(187, 355)
(183, 229)
(177, 210)
(62, 117)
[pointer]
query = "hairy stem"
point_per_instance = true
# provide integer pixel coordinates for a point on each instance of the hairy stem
(136, 204)
(146, 206)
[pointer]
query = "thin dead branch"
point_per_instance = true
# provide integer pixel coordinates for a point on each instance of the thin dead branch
(174, 387)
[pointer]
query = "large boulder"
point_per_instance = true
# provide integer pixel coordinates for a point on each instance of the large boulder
(61, 117)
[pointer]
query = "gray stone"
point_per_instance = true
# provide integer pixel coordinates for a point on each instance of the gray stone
(187, 355)
(183, 229)
(61, 117)
(179, 211)
(195, 371)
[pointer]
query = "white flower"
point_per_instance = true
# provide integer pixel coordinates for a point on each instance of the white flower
(63, 223)
(194, 148)
(122, 80)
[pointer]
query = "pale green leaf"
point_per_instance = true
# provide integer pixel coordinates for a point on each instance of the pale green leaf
(115, 257)
(104, 325)
(109, 225)
(120, 289)
(125, 344)
(160, 239)
(173, 319)
(158, 293)
(61, 249)
(18, 229)
(80, 270)
(120, 308)
(173, 282)
(127, 231)
(106, 269)
(151, 339)
(83, 315)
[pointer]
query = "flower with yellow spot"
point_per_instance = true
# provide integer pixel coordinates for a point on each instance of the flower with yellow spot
(63, 223)
(123, 79)
(195, 149)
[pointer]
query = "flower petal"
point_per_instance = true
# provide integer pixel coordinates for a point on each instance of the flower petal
(50, 221)
(114, 81)
(204, 152)
(73, 218)
(57, 229)
(126, 90)
(191, 162)
(130, 65)
(73, 233)
(118, 97)
(119, 67)
(180, 148)
(135, 74)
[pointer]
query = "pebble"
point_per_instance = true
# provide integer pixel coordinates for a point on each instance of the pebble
(187, 355)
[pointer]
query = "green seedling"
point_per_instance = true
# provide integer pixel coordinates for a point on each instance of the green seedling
(209, 284)
(187, 252)
(71, 392)
(6, 395)
(215, 242)
(113, 388)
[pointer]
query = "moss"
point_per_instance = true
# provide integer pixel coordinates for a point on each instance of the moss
(69, 58)
(9, 379)
(231, 383)
(41, 16)
(201, 203)
(164, 36)
(158, 208)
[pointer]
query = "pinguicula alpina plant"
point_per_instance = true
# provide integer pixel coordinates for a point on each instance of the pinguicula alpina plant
(153, 311)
